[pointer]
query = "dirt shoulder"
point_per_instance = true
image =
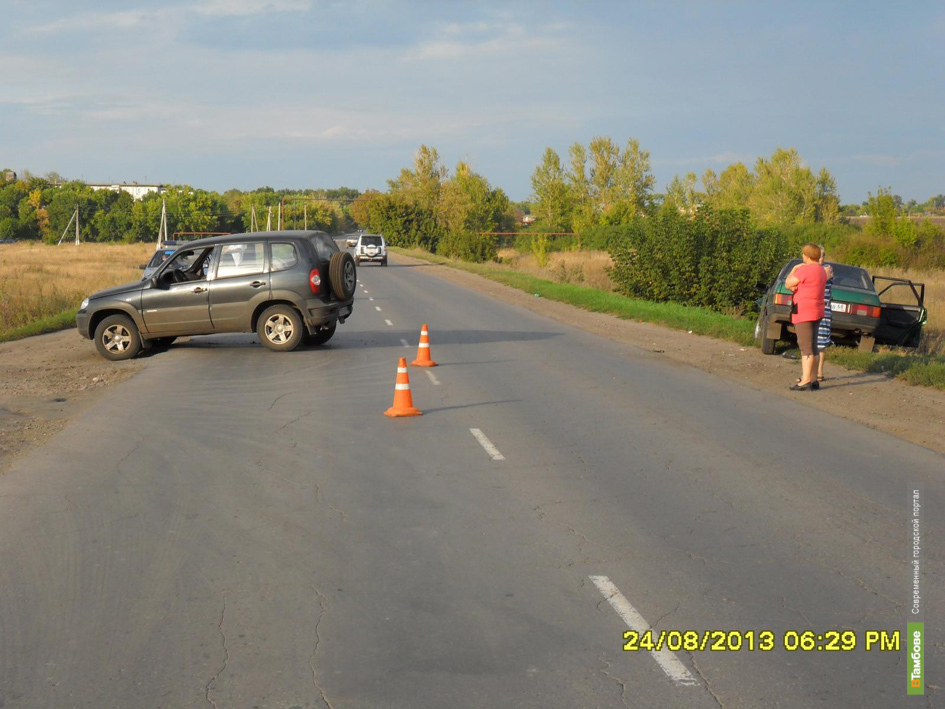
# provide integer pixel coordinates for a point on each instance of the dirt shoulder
(915, 414)
(45, 381)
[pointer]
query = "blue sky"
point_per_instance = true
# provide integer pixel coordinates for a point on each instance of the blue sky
(313, 93)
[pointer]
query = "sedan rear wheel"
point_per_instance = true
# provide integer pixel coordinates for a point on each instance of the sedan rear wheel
(280, 328)
(761, 332)
(117, 338)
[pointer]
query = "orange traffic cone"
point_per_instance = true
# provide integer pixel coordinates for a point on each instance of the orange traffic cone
(403, 401)
(423, 351)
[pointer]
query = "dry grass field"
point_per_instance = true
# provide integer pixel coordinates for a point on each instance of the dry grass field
(585, 268)
(39, 281)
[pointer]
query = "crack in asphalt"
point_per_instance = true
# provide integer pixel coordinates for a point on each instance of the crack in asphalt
(663, 617)
(278, 399)
(323, 608)
(704, 680)
(226, 655)
(318, 499)
(623, 685)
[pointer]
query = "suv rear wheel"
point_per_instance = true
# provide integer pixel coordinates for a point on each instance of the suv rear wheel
(117, 338)
(280, 328)
(343, 275)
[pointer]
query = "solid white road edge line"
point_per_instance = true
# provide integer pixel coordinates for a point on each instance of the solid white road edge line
(435, 381)
(389, 323)
(667, 661)
(487, 444)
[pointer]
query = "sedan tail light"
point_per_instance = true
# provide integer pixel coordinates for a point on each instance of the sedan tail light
(314, 281)
(781, 299)
(869, 311)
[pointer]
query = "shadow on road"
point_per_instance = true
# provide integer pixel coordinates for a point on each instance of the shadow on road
(359, 340)
(427, 411)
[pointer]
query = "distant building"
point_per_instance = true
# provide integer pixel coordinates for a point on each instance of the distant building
(136, 190)
(9, 176)
(528, 219)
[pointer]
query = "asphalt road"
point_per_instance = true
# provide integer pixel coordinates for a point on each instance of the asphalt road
(239, 528)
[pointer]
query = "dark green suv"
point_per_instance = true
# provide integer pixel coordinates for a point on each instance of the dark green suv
(288, 287)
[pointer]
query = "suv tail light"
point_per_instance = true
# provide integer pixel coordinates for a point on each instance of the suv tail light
(314, 281)
(781, 299)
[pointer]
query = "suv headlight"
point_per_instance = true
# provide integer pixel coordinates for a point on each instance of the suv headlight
(84, 304)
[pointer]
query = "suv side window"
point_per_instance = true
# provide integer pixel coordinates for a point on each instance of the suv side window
(242, 259)
(284, 257)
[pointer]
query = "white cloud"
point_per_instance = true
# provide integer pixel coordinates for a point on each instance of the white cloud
(878, 160)
(505, 39)
(247, 8)
(125, 19)
(141, 18)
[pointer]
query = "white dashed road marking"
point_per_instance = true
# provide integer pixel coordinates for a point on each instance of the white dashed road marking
(667, 661)
(487, 444)
(433, 379)
(377, 308)
(389, 323)
(371, 299)
(404, 342)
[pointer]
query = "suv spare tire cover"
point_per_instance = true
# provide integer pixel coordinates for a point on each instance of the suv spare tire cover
(342, 275)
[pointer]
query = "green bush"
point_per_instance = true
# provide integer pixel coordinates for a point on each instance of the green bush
(716, 260)
(467, 246)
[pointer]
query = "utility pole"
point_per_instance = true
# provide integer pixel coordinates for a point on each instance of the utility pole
(74, 215)
(279, 228)
(305, 211)
(252, 219)
(77, 225)
(269, 219)
(162, 228)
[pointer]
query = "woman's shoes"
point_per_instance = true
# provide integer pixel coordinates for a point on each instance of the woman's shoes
(812, 385)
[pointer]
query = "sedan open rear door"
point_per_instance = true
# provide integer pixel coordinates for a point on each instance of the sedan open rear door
(903, 311)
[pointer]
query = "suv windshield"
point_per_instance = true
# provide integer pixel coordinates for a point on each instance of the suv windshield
(371, 241)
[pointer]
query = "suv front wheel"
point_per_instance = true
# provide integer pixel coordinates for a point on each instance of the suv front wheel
(117, 338)
(280, 328)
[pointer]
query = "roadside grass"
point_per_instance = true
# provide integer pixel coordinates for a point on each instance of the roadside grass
(41, 286)
(911, 367)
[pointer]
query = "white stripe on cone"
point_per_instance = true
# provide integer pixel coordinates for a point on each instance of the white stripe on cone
(401, 387)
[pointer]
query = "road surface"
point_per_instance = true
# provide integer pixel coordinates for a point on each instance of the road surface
(240, 528)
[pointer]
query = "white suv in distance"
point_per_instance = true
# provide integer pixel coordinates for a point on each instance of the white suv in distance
(371, 247)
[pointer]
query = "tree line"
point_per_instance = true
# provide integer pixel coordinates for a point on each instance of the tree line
(425, 207)
(39, 208)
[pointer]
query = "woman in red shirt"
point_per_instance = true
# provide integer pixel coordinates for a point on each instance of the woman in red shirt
(807, 280)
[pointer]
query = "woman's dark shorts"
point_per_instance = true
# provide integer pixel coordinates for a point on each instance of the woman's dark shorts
(807, 337)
